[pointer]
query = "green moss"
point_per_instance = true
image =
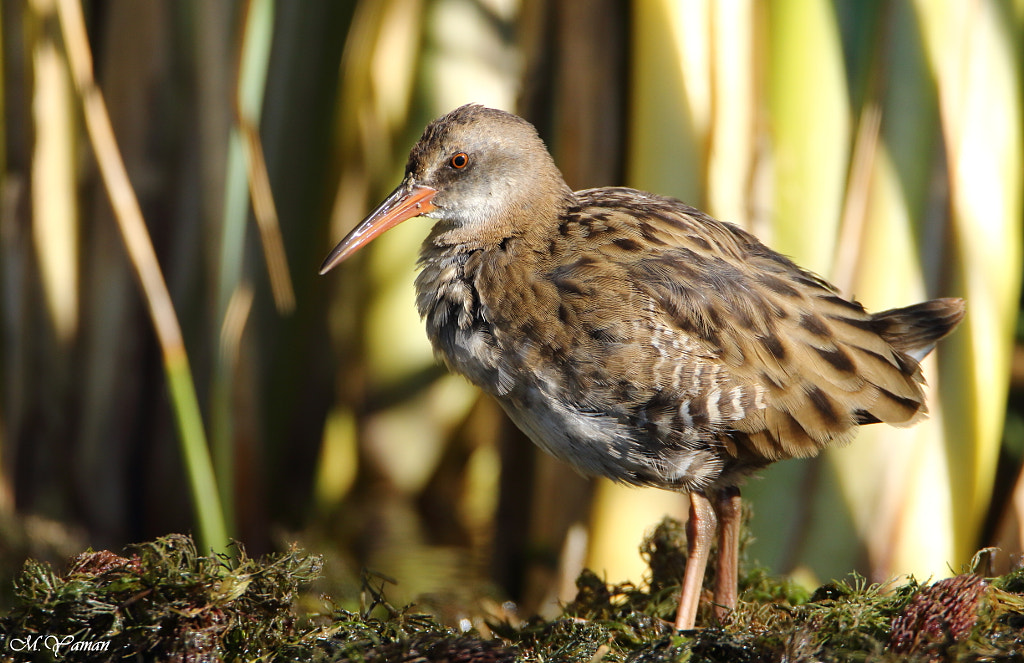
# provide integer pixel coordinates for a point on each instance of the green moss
(163, 601)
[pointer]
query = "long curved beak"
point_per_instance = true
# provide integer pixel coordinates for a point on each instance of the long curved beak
(405, 202)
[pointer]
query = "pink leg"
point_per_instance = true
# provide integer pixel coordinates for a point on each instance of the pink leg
(700, 529)
(727, 505)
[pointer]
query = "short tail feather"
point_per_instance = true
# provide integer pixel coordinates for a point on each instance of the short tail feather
(914, 330)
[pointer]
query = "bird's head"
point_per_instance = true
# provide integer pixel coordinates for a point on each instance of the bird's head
(482, 174)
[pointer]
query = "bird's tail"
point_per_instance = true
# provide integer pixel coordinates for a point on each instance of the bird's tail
(914, 330)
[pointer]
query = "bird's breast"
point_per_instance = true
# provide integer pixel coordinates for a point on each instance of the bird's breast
(458, 323)
(494, 320)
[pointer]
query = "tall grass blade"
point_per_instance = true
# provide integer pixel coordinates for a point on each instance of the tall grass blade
(974, 54)
(55, 226)
(206, 501)
(254, 55)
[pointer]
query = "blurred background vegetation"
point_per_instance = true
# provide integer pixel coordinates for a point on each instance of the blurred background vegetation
(210, 381)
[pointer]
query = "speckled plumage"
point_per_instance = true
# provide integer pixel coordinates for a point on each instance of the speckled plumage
(635, 337)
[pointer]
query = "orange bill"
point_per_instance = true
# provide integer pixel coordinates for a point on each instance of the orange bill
(404, 203)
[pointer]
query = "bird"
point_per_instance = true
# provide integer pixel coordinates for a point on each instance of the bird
(637, 338)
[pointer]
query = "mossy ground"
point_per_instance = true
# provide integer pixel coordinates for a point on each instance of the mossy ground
(163, 601)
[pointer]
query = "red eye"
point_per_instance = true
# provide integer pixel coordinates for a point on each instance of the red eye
(459, 161)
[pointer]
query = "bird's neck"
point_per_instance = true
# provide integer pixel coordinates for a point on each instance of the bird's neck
(531, 217)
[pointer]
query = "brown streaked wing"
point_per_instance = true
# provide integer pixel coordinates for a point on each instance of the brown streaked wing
(806, 365)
